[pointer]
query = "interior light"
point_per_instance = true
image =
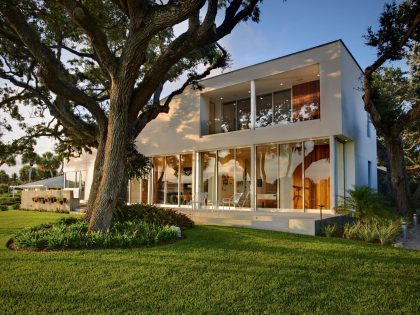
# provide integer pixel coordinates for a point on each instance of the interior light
(281, 83)
(221, 98)
(317, 75)
(249, 91)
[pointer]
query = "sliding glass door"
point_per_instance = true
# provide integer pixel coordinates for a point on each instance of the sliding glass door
(293, 176)
(226, 182)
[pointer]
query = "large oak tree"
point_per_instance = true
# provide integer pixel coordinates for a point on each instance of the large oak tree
(99, 67)
(394, 110)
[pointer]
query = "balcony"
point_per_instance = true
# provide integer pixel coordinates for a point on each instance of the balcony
(288, 97)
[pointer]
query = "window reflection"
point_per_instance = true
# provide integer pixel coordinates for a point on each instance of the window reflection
(267, 170)
(317, 174)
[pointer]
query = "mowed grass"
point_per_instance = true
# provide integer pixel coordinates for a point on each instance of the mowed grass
(217, 270)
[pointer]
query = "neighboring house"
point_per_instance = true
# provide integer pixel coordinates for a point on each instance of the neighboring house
(289, 134)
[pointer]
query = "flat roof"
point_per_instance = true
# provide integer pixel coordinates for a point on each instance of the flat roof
(284, 56)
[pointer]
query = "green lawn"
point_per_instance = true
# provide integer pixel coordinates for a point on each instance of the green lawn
(215, 270)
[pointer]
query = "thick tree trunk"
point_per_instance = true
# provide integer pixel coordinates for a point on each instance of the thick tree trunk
(399, 179)
(97, 175)
(113, 167)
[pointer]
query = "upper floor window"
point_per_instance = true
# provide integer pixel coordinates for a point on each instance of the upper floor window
(286, 97)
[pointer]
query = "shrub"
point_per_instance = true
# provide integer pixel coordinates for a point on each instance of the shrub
(387, 230)
(3, 208)
(363, 203)
(9, 200)
(384, 231)
(72, 233)
(153, 215)
(43, 210)
(330, 230)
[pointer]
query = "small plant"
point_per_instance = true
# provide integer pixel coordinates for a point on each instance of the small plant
(384, 231)
(387, 230)
(3, 208)
(330, 230)
(16, 206)
(363, 203)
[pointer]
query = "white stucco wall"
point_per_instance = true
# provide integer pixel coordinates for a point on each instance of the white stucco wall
(83, 163)
(355, 125)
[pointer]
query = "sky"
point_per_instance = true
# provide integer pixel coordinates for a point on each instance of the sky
(289, 26)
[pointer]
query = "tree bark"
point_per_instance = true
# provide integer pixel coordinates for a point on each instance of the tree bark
(399, 180)
(97, 175)
(112, 174)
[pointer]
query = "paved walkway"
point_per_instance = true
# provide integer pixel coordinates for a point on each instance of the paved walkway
(413, 240)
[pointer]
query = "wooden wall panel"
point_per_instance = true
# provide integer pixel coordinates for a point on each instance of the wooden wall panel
(306, 94)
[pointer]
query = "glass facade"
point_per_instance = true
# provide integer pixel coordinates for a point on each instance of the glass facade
(288, 97)
(317, 174)
(138, 190)
(227, 182)
(76, 179)
(288, 176)
(172, 179)
(208, 162)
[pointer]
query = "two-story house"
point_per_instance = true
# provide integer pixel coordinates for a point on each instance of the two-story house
(285, 135)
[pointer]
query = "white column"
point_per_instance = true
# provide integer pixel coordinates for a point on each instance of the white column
(197, 179)
(150, 188)
(253, 104)
(253, 179)
(333, 173)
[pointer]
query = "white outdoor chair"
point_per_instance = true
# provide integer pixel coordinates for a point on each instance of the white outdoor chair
(234, 200)
(199, 200)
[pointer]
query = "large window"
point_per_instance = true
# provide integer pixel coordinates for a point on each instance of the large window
(281, 98)
(225, 176)
(306, 101)
(227, 182)
(281, 180)
(209, 175)
(77, 180)
(172, 179)
(290, 176)
(264, 113)
(243, 174)
(282, 107)
(317, 174)
(267, 170)
(185, 184)
(159, 180)
(138, 190)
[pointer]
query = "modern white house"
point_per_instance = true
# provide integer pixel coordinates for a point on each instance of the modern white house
(288, 135)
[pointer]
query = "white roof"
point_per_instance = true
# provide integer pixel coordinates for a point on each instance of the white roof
(53, 182)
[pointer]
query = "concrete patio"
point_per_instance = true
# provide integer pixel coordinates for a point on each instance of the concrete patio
(292, 222)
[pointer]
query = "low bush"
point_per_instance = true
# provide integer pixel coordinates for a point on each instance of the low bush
(16, 206)
(152, 214)
(71, 233)
(3, 208)
(43, 210)
(9, 200)
(331, 230)
(363, 203)
(384, 231)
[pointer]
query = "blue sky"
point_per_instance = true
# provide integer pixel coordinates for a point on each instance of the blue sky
(294, 25)
(290, 26)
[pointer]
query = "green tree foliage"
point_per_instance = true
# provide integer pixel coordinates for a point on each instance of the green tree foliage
(99, 68)
(390, 97)
(4, 177)
(48, 164)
